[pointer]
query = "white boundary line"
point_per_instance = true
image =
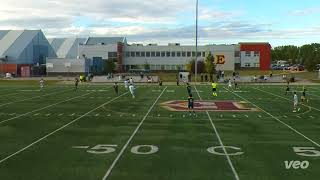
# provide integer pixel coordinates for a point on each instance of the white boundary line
(285, 98)
(296, 131)
(220, 141)
(10, 119)
(59, 129)
(33, 98)
(131, 137)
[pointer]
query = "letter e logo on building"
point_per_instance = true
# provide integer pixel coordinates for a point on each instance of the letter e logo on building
(220, 59)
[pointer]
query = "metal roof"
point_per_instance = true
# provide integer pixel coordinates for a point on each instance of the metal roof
(105, 40)
(66, 47)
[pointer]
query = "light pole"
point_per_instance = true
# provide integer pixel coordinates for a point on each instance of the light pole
(196, 61)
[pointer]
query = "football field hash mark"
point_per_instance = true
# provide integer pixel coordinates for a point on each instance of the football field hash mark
(131, 137)
(283, 123)
(59, 129)
(221, 143)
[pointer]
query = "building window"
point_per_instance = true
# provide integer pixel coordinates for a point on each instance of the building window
(148, 54)
(189, 54)
(112, 54)
(162, 67)
(237, 54)
(158, 54)
(173, 54)
(178, 54)
(138, 54)
(163, 54)
(199, 54)
(168, 54)
(257, 65)
(203, 54)
(256, 54)
(173, 67)
(153, 54)
(193, 54)
(183, 54)
(247, 64)
(133, 54)
(127, 54)
(248, 53)
(143, 54)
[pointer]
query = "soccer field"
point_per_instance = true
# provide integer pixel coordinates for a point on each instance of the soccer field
(90, 134)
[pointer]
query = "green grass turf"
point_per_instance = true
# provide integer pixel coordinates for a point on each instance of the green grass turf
(39, 129)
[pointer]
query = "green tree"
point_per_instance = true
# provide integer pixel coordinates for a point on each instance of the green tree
(146, 66)
(288, 53)
(310, 55)
(191, 66)
(109, 66)
(210, 66)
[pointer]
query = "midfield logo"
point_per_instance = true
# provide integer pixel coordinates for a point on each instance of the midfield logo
(296, 164)
(226, 106)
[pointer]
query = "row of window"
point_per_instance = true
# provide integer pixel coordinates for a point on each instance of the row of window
(254, 65)
(165, 54)
(157, 67)
(255, 54)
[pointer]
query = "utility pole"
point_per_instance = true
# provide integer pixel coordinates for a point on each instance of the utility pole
(196, 61)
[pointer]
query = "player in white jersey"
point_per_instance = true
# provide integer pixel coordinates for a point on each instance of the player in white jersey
(229, 84)
(131, 89)
(131, 81)
(41, 84)
(295, 102)
(126, 84)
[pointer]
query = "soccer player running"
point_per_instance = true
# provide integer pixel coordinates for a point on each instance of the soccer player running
(229, 84)
(287, 89)
(131, 89)
(41, 84)
(214, 89)
(126, 84)
(303, 97)
(295, 102)
(116, 88)
(76, 83)
(191, 105)
(189, 89)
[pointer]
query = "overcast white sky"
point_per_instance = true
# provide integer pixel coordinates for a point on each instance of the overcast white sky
(162, 21)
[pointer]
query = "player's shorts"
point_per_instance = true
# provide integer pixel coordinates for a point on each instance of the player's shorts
(214, 89)
(303, 97)
(190, 105)
(295, 103)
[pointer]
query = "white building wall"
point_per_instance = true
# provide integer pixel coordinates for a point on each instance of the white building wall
(168, 62)
(60, 65)
(98, 50)
(252, 60)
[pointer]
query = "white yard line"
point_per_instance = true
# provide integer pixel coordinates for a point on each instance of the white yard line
(59, 129)
(274, 117)
(32, 98)
(30, 112)
(236, 176)
(131, 137)
(285, 98)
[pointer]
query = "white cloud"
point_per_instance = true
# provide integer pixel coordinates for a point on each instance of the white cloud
(215, 14)
(305, 12)
(142, 21)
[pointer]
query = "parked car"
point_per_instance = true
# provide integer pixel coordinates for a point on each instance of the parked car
(296, 67)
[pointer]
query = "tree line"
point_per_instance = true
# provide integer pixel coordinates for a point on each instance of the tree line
(307, 55)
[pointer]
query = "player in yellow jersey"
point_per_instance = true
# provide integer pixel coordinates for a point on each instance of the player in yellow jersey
(214, 89)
